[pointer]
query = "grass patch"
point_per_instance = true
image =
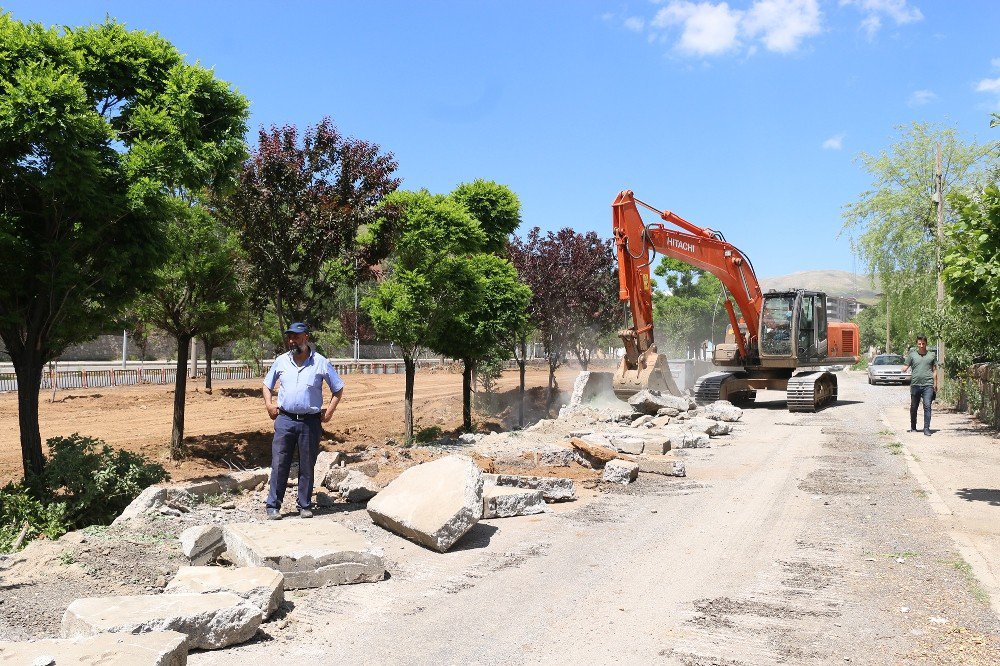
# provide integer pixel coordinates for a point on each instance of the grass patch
(921, 493)
(67, 557)
(425, 435)
(886, 433)
(217, 500)
(895, 448)
(906, 554)
(965, 569)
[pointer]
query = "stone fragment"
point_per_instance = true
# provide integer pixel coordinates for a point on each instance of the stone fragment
(593, 388)
(708, 426)
(690, 439)
(357, 487)
(504, 502)
(151, 498)
(650, 402)
(325, 461)
(595, 454)
(557, 457)
(723, 410)
(659, 421)
(628, 444)
(311, 554)
(554, 489)
(468, 438)
(668, 411)
(662, 467)
(247, 479)
(202, 544)
(210, 621)
(260, 586)
(433, 504)
(620, 471)
(656, 445)
(334, 477)
(154, 648)
(203, 488)
(368, 467)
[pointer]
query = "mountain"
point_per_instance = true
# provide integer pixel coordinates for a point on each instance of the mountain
(833, 282)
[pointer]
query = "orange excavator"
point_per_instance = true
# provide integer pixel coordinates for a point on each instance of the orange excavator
(781, 341)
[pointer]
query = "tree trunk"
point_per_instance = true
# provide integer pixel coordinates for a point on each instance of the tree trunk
(208, 366)
(521, 363)
(468, 366)
(552, 381)
(28, 368)
(180, 388)
(410, 365)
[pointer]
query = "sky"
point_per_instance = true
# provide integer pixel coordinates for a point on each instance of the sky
(744, 116)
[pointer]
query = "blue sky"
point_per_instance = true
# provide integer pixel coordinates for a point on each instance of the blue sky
(743, 116)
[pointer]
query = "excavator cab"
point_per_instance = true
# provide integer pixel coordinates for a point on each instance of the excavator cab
(793, 328)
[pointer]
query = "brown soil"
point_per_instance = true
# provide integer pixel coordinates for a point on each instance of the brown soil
(231, 427)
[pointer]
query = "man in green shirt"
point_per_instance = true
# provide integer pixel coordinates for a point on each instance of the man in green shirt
(922, 365)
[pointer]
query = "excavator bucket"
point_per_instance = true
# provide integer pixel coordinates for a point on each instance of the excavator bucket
(652, 373)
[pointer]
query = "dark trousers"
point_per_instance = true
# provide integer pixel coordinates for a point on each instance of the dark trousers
(918, 394)
(291, 436)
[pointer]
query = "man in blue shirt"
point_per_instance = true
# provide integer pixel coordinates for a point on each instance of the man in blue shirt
(297, 415)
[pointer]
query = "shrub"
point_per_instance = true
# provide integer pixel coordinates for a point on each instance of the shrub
(85, 482)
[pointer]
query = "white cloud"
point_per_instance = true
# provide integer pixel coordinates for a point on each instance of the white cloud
(899, 11)
(989, 86)
(783, 24)
(708, 29)
(835, 142)
(635, 23)
(921, 97)
(996, 63)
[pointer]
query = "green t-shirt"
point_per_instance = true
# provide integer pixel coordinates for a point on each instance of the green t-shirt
(921, 367)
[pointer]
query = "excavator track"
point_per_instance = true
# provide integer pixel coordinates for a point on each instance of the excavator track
(811, 391)
(711, 387)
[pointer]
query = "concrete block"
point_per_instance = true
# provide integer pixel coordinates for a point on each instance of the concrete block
(557, 457)
(203, 488)
(710, 427)
(357, 487)
(245, 479)
(628, 444)
(367, 467)
(260, 586)
(505, 502)
(661, 467)
(325, 460)
(308, 554)
(642, 420)
(651, 402)
(210, 621)
(595, 389)
(668, 411)
(154, 648)
(433, 504)
(691, 439)
(659, 421)
(656, 445)
(554, 489)
(202, 544)
(620, 471)
(595, 454)
(723, 410)
(152, 498)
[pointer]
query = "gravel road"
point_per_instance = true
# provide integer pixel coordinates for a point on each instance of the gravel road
(801, 539)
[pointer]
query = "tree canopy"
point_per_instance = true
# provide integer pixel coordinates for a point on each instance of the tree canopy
(98, 128)
(684, 314)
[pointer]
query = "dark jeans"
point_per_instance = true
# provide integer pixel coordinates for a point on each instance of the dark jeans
(291, 436)
(918, 394)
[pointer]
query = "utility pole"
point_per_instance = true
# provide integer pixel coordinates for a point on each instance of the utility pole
(124, 347)
(939, 199)
(194, 358)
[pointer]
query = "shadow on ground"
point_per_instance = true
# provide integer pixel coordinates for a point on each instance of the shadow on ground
(990, 495)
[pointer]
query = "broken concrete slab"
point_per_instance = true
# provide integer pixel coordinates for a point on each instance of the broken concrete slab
(246, 479)
(357, 487)
(557, 457)
(691, 439)
(368, 467)
(595, 454)
(320, 553)
(723, 410)
(202, 544)
(155, 648)
(628, 444)
(210, 621)
(656, 444)
(333, 478)
(153, 498)
(433, 504)
(651, 402)
(660, 421)
(668, 411)
(661, 467)
(505, 502)
(325, 460)
(642, 421)
(202, 488)
(260, 586)
(595, 389)
(710, 427)
(554, 489)
(620, 471)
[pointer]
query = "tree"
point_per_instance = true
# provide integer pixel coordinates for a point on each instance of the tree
(896, 219)
(195, 292)
(299, 208)
(495, 206)
(426, 278)
(686, 313)
(98, 126)
(572, 281)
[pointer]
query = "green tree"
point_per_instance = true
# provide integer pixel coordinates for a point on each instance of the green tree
(427, 278)
(686, 312)
(495, 206)
(196, 291)
(98, 126)
(895, 220)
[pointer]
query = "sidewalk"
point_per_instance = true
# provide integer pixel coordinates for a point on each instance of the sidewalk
(959, 468)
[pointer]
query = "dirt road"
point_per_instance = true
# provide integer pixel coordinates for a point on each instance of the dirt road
(806, 540)
(231, 426)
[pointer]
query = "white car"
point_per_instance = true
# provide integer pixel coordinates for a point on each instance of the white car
(888, 369)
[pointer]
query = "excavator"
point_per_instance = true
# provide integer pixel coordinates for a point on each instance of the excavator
(780, 342)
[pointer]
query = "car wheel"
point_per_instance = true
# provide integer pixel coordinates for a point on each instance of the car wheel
(870, 381)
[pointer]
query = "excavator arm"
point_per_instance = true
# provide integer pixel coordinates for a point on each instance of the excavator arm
(700, 247)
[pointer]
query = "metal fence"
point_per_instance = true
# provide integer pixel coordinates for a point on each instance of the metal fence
(111, 377)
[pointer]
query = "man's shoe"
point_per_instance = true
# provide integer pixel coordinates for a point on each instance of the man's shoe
(913, 429)
(305, 513)
(273, 514)
(927, 431)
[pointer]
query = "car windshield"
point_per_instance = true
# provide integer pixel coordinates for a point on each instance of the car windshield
(888, 360)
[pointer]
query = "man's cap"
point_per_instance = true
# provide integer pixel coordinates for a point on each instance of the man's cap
(297, 327)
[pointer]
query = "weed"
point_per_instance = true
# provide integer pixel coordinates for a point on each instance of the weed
(906, 554)
(217, 500)
(921, 493)
(895, 448)
(425, 435)
(67, 557)
(965, 569)
(886, 433)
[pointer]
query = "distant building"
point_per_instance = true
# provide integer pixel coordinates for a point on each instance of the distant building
(843, 308)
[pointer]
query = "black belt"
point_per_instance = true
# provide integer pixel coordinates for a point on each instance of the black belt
(298, 417)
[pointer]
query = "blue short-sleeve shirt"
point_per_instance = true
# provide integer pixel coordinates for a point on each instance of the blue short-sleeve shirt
(301, 390)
